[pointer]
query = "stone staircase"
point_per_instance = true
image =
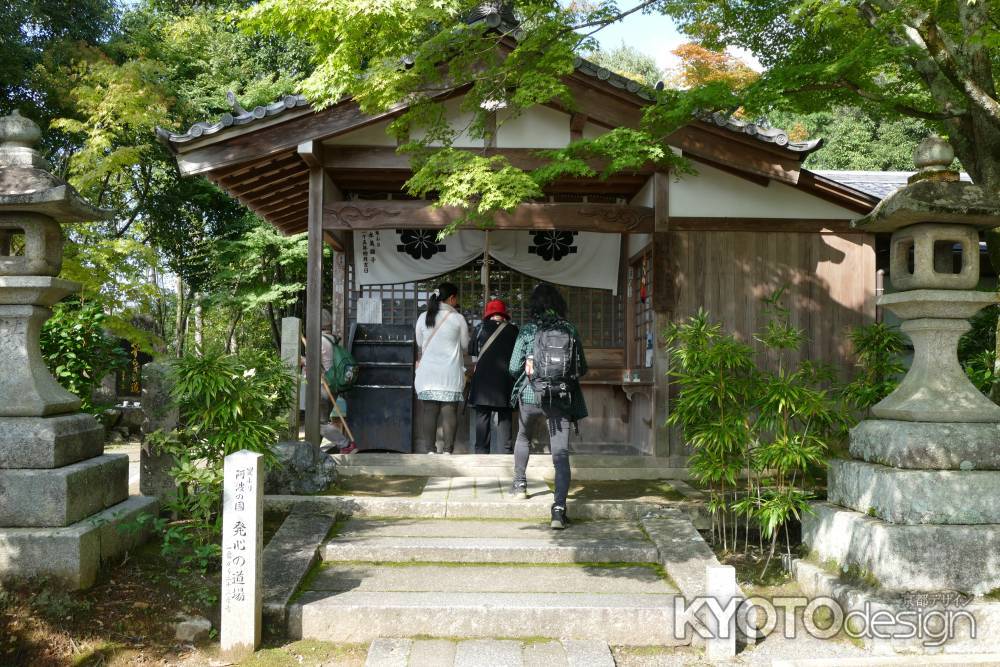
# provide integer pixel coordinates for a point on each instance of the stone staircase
(478, 575)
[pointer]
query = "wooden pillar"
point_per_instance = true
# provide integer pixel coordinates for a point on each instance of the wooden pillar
(663, 306)
(311, 153)
(339, 301)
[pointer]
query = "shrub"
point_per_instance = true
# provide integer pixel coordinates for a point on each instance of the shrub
(773, 421)
(878, 348)
(77, 350)
(227, 403)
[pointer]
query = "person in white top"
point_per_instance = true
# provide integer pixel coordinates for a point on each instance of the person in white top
(442, 336)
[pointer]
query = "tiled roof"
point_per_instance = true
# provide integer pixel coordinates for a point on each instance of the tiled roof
(239, 116)
(498, 15)
(879, 184)
(770, 135)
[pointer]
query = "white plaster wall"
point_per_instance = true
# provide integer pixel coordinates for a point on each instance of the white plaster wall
(459, 120)
(372, 135)
(636, 242)
(538, 127)
(645, 196)
(715, 194)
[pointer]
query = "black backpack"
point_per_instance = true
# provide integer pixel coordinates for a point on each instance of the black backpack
(555, 371)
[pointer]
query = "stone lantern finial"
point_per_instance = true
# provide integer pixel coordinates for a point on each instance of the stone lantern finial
(18, 137)
(933, 157)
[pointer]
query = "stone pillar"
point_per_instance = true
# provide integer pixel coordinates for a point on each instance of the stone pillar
(54, 477)
(242, 543)
(161, 414)
(917, 508)
(291, 356)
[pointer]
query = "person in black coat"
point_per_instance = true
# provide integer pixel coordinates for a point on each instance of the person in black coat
(491, 387)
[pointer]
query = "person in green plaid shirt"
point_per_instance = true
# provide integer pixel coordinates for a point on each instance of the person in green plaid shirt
(547, 309)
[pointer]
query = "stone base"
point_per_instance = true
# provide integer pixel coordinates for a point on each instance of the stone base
(73, 555)
(816, 581)
(916, 496)
(905, 558)
(49, 442)
(927, 445)
(62, 496)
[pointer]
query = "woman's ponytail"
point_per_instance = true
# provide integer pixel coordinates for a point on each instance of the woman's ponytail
(443, 292)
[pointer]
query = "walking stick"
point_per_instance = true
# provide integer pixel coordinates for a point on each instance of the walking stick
(351, 445)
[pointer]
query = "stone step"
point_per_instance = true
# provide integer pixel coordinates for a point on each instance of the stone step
(362, 616)
(487, 550)
(488, 653)
(451, 541)
(584, 466)
(512, 529)
(596, 579)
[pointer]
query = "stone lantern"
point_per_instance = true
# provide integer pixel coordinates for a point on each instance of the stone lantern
(60, 495)
(917, 507)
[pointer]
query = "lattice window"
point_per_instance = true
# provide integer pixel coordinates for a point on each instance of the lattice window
(640, 286)
(598, 314)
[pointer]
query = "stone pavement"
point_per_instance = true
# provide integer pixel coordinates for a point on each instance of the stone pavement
(488, 653)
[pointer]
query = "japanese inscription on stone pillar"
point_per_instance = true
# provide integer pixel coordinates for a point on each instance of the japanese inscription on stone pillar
(242, 513)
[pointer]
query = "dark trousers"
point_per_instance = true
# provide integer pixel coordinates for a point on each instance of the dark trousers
(559, 427)
(484, 419)
(448, 413)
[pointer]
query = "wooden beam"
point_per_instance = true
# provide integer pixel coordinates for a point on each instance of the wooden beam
(696, 141)
(611, 218)
(383, 158)
(576, 123)
(790, 225)
(836, 193)
(342, 117)
(664, 292)
(296, 174)
(261, 170)
(311, 152)
(299, 198)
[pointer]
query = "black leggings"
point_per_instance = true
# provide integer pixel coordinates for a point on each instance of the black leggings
(448, 412)
(558, 444)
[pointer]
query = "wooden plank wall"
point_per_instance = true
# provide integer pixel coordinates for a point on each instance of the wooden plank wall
(830, 283)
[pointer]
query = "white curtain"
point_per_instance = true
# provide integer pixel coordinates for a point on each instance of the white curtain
(407, 255)
(582, 259)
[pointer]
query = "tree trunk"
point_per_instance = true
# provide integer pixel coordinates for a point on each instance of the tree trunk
(231, 336)
(179, 323)
(199, 330)
(272, 319)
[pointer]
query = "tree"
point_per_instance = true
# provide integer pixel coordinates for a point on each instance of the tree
(630, 62)
(855, 139)
(162, 64)
(934, 61)
(700, 66)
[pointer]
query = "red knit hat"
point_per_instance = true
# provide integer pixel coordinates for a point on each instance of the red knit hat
(496, 307)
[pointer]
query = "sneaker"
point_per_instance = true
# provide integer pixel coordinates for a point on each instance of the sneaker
(559, 518)
(445, 453)
(432, 453)
(350, 448)
(519, 490)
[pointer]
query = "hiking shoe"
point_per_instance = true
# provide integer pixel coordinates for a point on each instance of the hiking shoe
(559, 518)
(519, 490)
